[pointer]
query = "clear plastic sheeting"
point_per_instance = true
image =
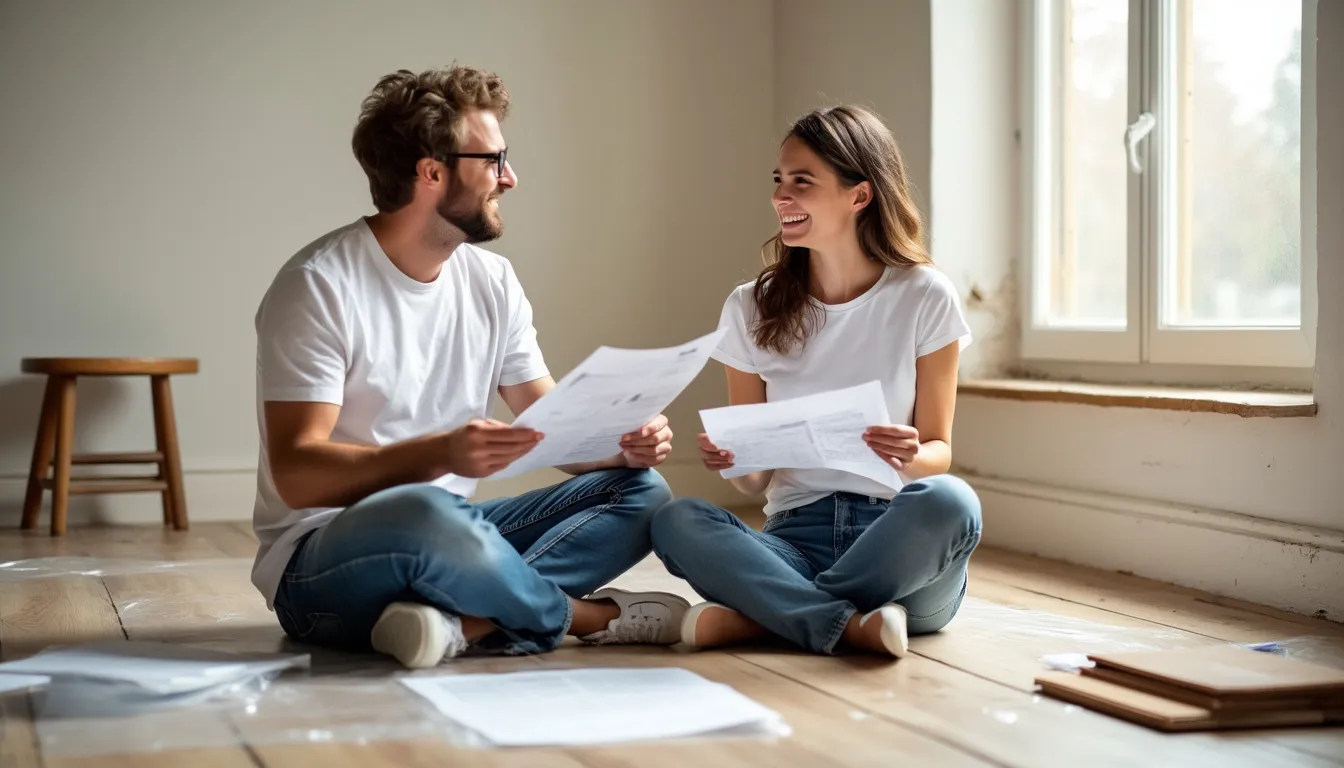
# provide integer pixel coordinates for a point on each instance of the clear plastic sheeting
(103, 567)
(278, 712)
(1065, 634)
(291, 710)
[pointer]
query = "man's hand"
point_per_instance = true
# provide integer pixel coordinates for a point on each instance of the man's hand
(897, 444)
(649, 446)
(482, 447)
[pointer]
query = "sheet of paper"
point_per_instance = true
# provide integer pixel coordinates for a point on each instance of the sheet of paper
(612, 393)
(821, 431)
(591, 706)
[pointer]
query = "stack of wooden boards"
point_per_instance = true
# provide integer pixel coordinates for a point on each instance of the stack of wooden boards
(1202, 689)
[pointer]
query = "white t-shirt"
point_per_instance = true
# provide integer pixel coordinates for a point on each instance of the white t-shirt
(907, 314)
(342, 324)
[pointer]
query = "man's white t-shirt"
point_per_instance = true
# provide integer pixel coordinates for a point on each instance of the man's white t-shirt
(907, 314)
(342, 324)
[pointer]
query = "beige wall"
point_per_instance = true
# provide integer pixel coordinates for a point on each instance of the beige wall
(872, 52)
(161, 159)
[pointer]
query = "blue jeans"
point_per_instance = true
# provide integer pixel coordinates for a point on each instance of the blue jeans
(515, 561)
(814, 567)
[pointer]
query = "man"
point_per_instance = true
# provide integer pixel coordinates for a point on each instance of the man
(379, 347)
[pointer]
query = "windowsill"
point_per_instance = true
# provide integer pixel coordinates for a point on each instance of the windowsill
(1245, 403)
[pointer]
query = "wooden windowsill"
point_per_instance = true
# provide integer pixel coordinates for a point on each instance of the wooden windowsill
(1246, 403)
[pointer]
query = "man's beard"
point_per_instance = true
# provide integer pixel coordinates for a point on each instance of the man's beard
(476, 223)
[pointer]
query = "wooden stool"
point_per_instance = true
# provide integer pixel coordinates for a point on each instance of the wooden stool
(57, 428)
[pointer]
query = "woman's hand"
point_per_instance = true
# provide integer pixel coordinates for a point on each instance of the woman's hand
(713, 458)
(897, 444)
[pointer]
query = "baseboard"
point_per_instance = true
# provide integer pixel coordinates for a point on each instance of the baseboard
(1294, 568)
(228, 495)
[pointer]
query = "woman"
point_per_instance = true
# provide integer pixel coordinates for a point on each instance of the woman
(849, 295)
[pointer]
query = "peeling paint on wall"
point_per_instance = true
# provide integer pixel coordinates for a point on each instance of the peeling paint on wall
(992, 310)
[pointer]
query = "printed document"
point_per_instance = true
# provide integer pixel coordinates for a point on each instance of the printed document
(593, 706)
(821, 431)
(610, 394)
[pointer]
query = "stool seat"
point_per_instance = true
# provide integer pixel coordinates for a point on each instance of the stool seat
(110, 366)
(53, 456)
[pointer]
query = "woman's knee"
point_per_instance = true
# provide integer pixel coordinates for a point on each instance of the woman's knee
(949, 503)
(680, 522)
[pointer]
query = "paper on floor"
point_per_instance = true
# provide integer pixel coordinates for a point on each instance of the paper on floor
(821, 431)
(593, 706)
(611, 393)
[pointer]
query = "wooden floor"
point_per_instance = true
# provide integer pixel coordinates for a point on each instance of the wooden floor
(964, 698)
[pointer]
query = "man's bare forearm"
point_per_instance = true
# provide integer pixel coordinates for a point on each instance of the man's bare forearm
(323, 473)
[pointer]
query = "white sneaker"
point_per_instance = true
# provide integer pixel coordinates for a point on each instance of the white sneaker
(692, 618)
(895, 636)
(418, 635)
(646, 617)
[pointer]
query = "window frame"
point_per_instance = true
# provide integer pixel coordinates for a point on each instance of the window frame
(1144, 343)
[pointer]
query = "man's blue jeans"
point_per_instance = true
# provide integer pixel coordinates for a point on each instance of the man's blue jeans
(814, 567)
(514, 561)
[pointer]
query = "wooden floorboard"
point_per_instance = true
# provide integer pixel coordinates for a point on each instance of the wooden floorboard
(965, 698)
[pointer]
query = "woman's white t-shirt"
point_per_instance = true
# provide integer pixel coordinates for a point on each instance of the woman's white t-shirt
(907, 314)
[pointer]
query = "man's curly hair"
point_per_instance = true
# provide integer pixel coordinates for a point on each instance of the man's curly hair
(408, 117)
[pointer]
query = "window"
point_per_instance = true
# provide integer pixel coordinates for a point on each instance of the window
(1170, 182)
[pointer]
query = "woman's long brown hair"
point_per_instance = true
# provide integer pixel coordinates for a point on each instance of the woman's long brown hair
(858, 147)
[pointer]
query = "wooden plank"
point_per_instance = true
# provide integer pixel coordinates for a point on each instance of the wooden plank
(408, 754)
(123, 544)
(1160, 603)
(196, 758)
(216, 606)
(36, 613)
(1002, 632)
(233, 539)
(1009, 726)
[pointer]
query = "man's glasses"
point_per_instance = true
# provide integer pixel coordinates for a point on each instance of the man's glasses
(499, 158)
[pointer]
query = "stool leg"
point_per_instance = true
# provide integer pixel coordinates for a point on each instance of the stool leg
(42, 453)
(165, 426)
(65, 438)
(160, 443)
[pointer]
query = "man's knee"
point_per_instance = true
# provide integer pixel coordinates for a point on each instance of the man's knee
(647, 488)
(426, 519)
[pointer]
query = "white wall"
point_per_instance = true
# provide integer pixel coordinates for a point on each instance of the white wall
(974, 171)
(162, 158)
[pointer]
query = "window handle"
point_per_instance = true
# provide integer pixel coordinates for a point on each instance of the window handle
(1136, 132)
